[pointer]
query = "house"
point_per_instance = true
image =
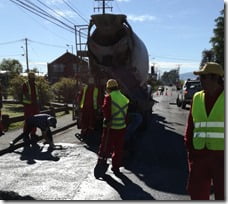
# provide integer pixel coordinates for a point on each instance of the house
(68, 65)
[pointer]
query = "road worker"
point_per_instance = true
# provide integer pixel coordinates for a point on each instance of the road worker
(114, 108)
(88, 102)
(41, 121)
(30, 101)
(204, 135)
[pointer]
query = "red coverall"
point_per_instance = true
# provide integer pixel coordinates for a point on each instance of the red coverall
(33, 108)
(115, 143)
(88, 113)
(204, 165)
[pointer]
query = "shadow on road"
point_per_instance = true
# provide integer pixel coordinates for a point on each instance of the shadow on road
(128, 191)
(161, 158)
(36, 153)
(11, 195)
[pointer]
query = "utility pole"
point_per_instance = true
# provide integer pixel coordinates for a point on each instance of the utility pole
(103, 4)
(26, 54)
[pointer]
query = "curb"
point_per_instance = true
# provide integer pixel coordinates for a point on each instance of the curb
(11, 149)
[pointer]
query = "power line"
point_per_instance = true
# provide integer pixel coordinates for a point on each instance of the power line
(10, 42)
(67, 3)
(55, 12)
(185, 59)
(47, 44)
(43, 14)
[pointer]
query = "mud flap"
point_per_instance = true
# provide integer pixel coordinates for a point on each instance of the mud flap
(100, 169)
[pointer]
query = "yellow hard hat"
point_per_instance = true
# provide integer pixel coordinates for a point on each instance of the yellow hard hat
(111, 83)
(31, 75)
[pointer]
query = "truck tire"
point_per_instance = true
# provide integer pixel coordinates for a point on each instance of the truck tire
(178, 102)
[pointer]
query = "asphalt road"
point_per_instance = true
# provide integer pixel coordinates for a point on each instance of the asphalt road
(156, 170)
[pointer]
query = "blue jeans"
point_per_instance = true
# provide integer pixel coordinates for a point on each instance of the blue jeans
(135, 121)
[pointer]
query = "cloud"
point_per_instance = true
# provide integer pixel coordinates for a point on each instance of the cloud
(141, 18)
(165, 66)
(51, 2)
(123, 0)
(64, 13)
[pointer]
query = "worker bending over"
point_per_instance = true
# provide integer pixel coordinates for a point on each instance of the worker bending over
(41, 121)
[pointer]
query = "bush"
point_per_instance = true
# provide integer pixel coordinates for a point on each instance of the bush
(44, 89)
(65, 90)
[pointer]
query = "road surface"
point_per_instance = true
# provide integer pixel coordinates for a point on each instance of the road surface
(156, 171)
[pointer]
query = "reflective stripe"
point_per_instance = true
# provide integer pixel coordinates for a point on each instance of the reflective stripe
(209, 124)
(95, 95)
(121, 109)
(208, 135)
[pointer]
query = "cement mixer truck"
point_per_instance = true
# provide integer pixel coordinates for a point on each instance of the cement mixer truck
(115, 51)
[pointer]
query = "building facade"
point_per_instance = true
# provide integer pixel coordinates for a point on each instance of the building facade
(68, 65)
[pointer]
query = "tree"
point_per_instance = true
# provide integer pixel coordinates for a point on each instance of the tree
(12, 65)
(218, 39)
(207, 56)
(170, 77)
(44, 89)
(64, 89)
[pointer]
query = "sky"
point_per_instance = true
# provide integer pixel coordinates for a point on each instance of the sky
(175, 32)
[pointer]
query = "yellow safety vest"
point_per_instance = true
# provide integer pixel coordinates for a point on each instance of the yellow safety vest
(208, 130)
(27, 97)
(118, 110)
(95, 96)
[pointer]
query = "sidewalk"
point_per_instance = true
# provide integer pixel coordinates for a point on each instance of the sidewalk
(63, 123)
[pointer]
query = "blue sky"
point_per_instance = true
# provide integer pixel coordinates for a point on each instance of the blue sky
(175, 32)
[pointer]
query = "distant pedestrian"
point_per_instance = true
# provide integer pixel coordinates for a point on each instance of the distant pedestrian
(31, 100)
(204, 136)
(114, 108)
(42, 121)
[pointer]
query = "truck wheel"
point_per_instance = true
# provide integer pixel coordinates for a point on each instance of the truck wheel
(178, 102)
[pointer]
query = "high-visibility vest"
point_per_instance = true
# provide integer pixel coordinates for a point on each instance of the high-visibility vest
(95, 96)
(119, 106)
(208, 130)
(27, 97)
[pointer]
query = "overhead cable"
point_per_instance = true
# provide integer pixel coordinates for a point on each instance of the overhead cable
(67, 3)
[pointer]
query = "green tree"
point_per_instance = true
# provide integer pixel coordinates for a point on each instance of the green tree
(170, 77)
(64, 89)
(218, 39)
(12, 65)
(44, 89)
(207, 56)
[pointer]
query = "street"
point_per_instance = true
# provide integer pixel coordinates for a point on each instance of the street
(156, 171)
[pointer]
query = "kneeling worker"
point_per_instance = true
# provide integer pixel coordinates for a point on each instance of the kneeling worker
(42, 121)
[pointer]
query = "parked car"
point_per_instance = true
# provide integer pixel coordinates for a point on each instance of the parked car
(189, 88)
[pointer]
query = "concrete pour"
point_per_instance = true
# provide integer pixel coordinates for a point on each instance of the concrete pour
(62, 174)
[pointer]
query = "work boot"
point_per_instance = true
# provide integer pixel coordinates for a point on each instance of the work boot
(116, 171)
(100, 169)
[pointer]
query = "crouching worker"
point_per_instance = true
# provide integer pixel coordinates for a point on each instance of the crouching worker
(41, 121)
